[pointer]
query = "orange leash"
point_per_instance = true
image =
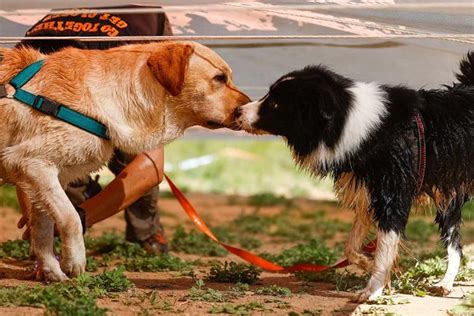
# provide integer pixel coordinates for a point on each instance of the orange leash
(246, 255)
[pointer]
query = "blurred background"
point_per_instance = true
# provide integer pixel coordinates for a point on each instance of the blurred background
(236, 163)
(246, 187)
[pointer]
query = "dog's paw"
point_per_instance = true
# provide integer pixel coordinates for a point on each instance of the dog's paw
(366, 294)
(48, 273)
(73, 265)
(441, 289)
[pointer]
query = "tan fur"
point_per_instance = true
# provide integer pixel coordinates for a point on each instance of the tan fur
(145, 102)
(356, 197)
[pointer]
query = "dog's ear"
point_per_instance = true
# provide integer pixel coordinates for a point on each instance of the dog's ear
(169, 64)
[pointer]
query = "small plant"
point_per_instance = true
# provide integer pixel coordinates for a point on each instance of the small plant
(231, 272)
(252, 223)
(314, 251)
(274, 290)
(344, 280)
(15, 249)
(198, 293)
(239, 289)
(158, 263)
(109, 281)
(267, 199)
(113, 246)
(195, 243)
(418, 279)
(241, 309)
(388, 300)
(76, 297)
(465, 308)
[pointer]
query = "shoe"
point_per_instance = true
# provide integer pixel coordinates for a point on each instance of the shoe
(156, 244)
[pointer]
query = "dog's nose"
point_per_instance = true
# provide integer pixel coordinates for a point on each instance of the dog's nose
(238, 111)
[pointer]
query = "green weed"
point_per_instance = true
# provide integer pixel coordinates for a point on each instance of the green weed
(344, 280)
(76, 297)
(240, 289)
(466, 307)
(274, 290)
(252, 223)
(199, 293)
(240, 309)
(267, 199)
(15, 249)
(313, 251)
(388, 300)
(231, 272)
(197, 243)
(158, 263)
(114, 248)
(418, 279)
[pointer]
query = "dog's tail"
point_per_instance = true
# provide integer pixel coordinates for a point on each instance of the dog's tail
(466, 76)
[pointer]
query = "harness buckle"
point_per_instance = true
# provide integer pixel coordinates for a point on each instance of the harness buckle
(46, 105)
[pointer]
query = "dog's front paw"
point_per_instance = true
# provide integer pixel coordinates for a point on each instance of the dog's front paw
(73, 265)
(366, 294)
(73, 258)
(48, 272)
(441, 289)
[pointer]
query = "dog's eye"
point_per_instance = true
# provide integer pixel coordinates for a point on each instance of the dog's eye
(221, 78)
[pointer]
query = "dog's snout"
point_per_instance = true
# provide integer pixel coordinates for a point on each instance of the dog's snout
(238, 111)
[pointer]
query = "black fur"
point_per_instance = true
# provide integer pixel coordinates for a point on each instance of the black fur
(312, 106)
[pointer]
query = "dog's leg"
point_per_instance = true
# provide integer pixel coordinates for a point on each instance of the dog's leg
(449, 222)
(48, 193)
(352, 250)
(42, 245)
(42, 237)
(385, 255)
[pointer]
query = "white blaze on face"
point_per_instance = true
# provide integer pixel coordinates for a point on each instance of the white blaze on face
(249, 115)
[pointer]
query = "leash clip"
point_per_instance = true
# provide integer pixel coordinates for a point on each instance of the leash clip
(46, 105)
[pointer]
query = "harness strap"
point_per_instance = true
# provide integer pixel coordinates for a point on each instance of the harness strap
(50, 107)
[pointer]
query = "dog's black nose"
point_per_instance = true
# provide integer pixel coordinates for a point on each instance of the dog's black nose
(238, 111)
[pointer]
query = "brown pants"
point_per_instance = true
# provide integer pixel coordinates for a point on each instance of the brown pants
(142, 217)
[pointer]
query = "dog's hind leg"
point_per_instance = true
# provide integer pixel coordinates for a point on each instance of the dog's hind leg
(449, 221)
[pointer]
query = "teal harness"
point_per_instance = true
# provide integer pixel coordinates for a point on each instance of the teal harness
(51, 107)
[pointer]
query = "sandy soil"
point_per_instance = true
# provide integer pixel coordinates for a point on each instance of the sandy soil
(172, 287)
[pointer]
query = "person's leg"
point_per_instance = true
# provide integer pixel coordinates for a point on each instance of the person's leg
(142, 217)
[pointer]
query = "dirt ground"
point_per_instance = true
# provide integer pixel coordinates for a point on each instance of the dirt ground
(171, 287)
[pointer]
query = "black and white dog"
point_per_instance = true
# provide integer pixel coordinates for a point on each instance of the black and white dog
(367, 137)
